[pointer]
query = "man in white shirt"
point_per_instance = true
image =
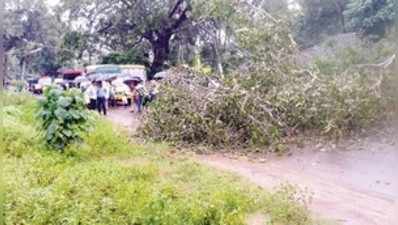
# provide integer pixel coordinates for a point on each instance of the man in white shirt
(91, 96)
(102, 95)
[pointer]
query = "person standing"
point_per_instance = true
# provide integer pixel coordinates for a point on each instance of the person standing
(91, 96)
(101, 98)
(107, 87)
(112, 93)
(140, 95)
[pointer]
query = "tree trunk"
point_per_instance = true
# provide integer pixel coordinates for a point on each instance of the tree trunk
(340, 11)
(161, 51)
(2, 63)
(218, 60)
(197, 62)
(2, 48)
(180, 56)
(23, 70)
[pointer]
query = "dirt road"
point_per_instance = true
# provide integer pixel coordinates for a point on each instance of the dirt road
(354, 184)
(354, 187)
(124, 118)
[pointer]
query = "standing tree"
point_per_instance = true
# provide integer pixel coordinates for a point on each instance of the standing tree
(320, 17)
(371, 17)
(83, 18)
(30, 32)
(174, 31)
(2, 50)
(153, 21)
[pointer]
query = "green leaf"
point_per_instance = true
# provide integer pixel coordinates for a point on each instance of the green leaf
(64, 102)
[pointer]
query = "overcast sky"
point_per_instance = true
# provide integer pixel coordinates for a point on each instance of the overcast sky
(52, 3)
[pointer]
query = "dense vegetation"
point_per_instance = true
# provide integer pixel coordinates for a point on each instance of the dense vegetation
(260, 110)
(63, 116)
(40, 39)
(239, 77)
(274, 95)
(108, 180)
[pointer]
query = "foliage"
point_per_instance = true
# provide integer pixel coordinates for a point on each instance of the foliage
(96, 186)
(72, 47)
(135, 21)
(371, 17)
(133, 56)
(175, 32)
(285, 211)
(10, 99)
(46, 62)
(342, 60)
(31, 36)
(63, 117)
(320, 18)
(269, 97)
(260, 108)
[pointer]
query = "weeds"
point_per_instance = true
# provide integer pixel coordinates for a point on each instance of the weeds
(89, 185)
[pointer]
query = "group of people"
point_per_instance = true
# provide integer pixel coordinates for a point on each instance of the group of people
(100, 95)
(97, 96)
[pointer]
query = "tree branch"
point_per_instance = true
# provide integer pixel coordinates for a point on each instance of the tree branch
(148, 35)
(127, 3)
(179, 21)
(10, 42)
(106, 28)
(176, 7)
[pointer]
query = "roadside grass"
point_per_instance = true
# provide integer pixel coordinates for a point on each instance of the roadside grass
(108, 179)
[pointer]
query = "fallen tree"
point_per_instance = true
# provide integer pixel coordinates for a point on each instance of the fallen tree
(268, 97)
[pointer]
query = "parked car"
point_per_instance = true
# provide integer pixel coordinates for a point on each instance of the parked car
(42, 83)
(32, 84)
(122, 92)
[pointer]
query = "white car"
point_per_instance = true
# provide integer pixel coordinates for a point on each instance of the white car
(42, 83)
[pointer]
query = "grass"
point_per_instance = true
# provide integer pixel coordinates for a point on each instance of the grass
(108, 179)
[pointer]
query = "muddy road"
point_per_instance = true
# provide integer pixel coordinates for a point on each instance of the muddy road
(354, 183)
(124, 118)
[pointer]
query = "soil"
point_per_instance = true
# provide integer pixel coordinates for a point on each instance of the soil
(124, 118)
(354, 183)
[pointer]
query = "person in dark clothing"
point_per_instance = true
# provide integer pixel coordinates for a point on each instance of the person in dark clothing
(101, 98)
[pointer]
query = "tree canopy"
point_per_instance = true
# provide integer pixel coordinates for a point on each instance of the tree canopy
(371, 17)
(220, 34)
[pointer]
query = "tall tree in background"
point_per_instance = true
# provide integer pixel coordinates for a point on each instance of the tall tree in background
(320, 18)
(83, 18)
(174, 31)
(30, 32)
(2, 50)
(371, 17)
(153, 21)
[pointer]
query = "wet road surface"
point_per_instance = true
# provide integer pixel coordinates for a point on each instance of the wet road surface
(124, 118)
(354, 187)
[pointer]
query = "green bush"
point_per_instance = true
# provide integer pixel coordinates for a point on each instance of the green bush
(63, 116)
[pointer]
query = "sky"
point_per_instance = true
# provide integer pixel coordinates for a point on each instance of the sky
(52, 3)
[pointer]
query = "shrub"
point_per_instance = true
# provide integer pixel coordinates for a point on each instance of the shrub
(63, 117)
